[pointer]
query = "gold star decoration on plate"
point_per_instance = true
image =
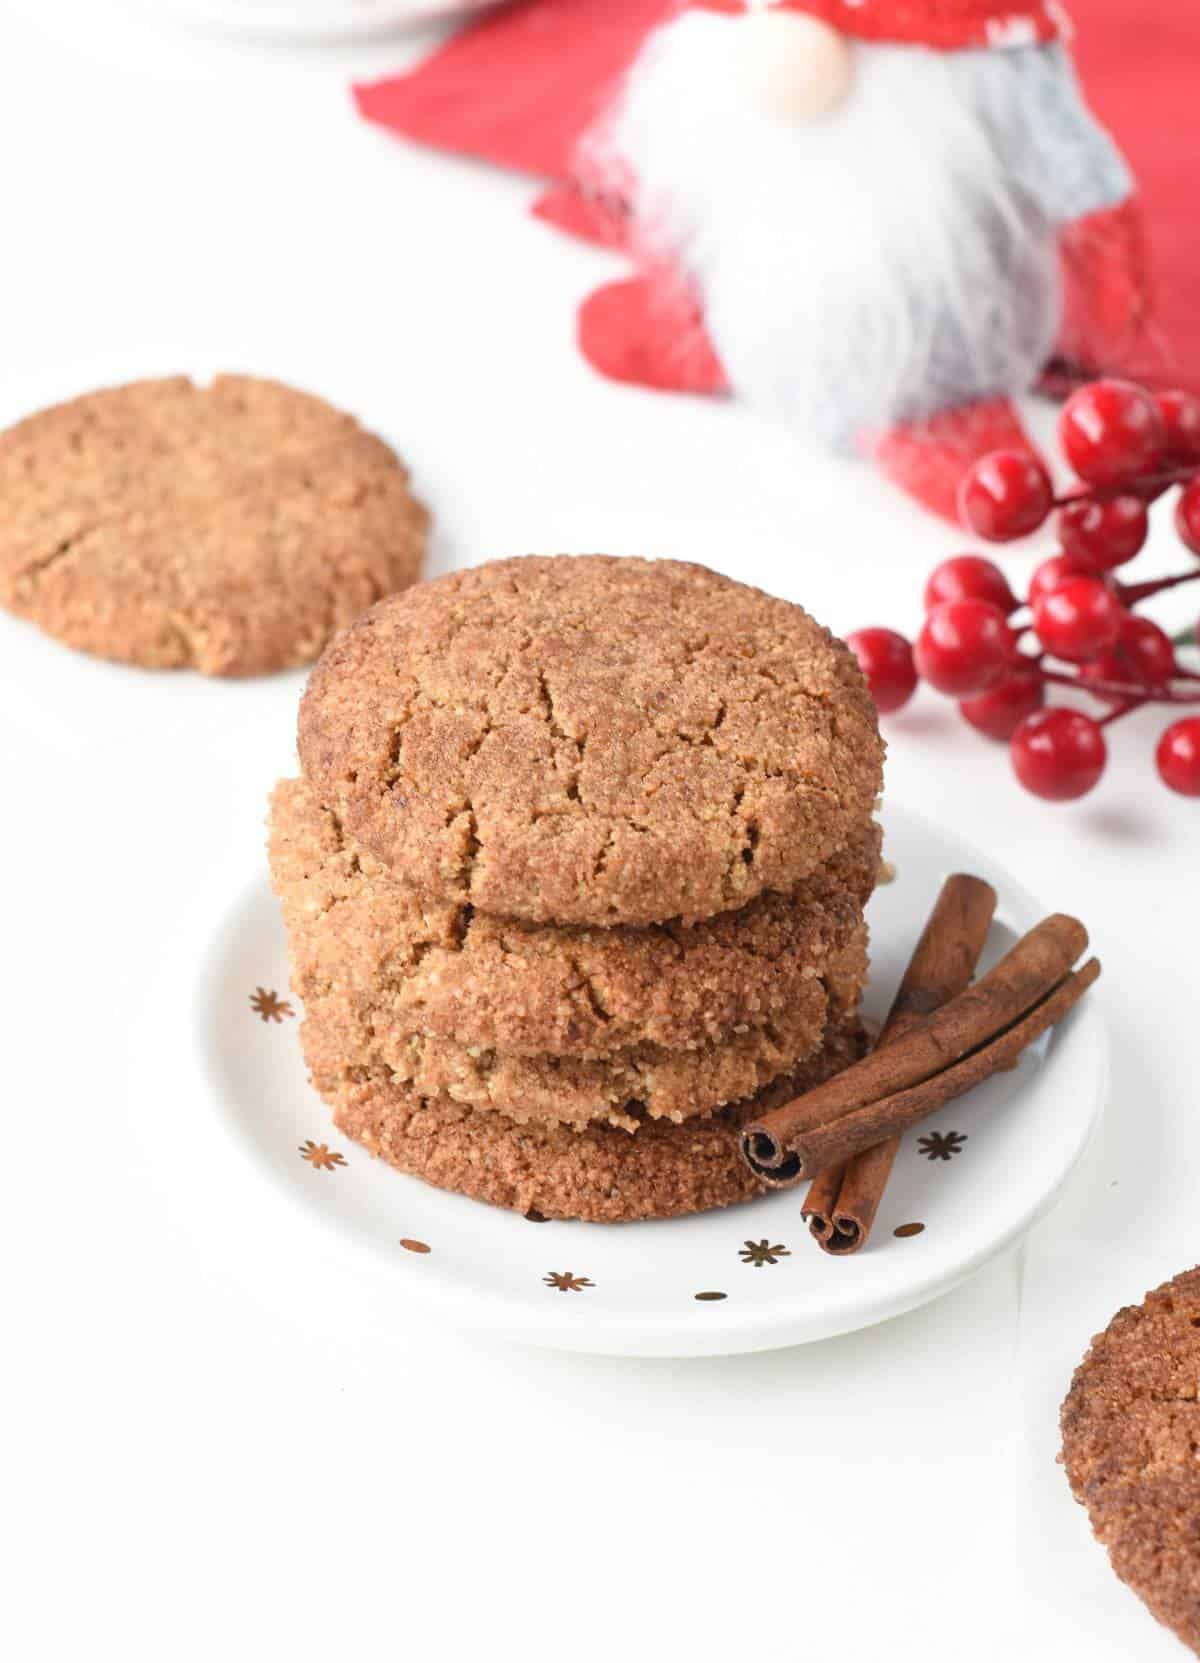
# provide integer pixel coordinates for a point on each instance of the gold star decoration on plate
(566, 1281)
(763, 1253)
(939, 1146)
(320, 1155)
(265, 1002)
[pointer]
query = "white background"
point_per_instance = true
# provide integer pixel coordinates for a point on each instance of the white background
(216, 1443)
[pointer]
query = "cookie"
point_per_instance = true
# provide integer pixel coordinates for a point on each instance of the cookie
(345, 1032)
(603, 1175)
(232, 528)
(1131, 1432)
(444, 970)
(592, 740)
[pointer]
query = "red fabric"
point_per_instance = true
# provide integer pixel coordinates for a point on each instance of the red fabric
(596, 219)
(1107, 324)
(520, 86)
(929, 459)
(1140, 66)
(948, 25)
(649, 330)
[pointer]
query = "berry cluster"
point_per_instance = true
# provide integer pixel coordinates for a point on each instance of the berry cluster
(1077, 627)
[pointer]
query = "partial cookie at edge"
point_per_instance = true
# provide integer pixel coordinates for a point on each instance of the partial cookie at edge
(1131, 1431)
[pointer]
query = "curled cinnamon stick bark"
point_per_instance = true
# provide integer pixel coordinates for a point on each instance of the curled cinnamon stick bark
(866, 1127)
(1023, 978)
(820, 1204)
(842, 1201)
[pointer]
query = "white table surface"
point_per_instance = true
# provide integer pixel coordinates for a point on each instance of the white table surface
(216, 1443)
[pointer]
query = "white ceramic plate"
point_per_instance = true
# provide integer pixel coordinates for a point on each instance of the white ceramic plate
(315, 19)
(688, 1286)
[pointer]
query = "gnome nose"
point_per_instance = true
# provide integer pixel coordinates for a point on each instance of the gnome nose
(793, 66)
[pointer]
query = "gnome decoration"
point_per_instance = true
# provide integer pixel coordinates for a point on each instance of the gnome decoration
(878, 220)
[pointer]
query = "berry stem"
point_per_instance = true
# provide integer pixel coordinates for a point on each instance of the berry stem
(1132, 593)
(1119, 710)
(1121, 691)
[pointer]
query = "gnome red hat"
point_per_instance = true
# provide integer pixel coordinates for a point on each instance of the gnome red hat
(947, 25)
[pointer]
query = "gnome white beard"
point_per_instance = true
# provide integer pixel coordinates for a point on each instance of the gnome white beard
(870, 267)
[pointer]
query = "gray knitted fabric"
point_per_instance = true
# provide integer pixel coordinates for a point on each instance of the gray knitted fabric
(1031, 101)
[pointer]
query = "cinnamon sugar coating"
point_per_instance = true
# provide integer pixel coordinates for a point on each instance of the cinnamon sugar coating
(592, 740)
(343, 1035)
(1131, 1449)
(603, 1175)
(233, 528)
(452, 973)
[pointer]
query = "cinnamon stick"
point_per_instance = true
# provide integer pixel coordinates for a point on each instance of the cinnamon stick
(1022, 979)
(820, 1204)
(842, 1201)
(838, 1140)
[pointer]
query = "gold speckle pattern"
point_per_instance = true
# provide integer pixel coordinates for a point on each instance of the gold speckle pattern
(320, 1156)
(763, 1253)
(940, 1146)
(265, 1002)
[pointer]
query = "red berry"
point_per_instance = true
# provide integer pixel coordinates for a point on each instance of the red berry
(1005, 496)
(1059, 754)
(1078, 619)
(1181, 419)
(963, 647)
(1107, 666)
(1108, 533)
(969, 577)
(1187, 515)
(1141, 653)
(1057, 570)
(1112, 432)
(886, 659)
(1178, 757)
(1002, 709)
(1148, 648)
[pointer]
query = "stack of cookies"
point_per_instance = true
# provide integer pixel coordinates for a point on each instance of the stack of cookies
(574, 878)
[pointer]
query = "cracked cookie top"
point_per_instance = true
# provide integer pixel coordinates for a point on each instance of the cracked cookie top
(233, 527)
(442, 969)
(594, 740)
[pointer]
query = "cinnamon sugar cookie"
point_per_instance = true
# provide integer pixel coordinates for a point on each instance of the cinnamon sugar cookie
(1131, 1437)
(493, 984)
(344, 1033)
(232, 527)
(592, 740)
(603, 1174)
